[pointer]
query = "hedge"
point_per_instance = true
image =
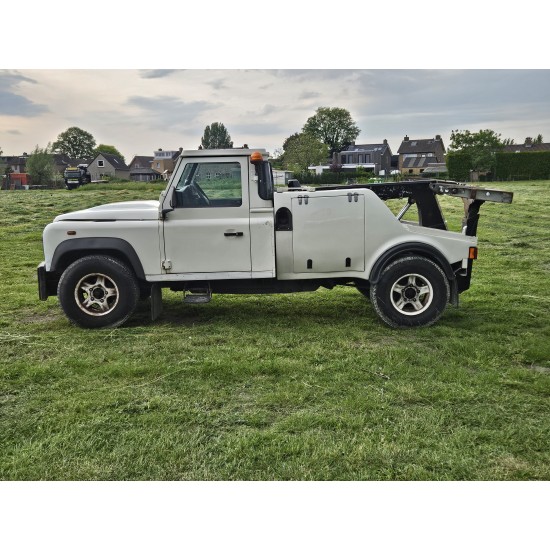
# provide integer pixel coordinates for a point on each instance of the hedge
(509, 166)
(523, 166)
(459, 166)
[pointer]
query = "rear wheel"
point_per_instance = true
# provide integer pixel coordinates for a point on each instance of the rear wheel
(98, 292)
(412, 292)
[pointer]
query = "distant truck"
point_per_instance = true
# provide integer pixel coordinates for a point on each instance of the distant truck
(220, 226)
(75, 176)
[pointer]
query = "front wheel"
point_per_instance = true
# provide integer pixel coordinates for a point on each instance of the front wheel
(98, 292)
(412, 292)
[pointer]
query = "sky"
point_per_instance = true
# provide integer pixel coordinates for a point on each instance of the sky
(139, 111)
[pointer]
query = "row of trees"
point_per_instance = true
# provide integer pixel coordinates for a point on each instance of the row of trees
(329, 130)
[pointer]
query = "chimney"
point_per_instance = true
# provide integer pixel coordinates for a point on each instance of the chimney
(438, 138)
(406, 138)
(385, 142)
(180, 149)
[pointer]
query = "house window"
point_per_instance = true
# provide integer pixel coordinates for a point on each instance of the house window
(100, 164)
(158, 164)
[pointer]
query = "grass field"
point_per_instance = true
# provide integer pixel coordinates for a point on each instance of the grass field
(295, 387)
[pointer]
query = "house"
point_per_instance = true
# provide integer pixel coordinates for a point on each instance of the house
(105, 165)
(62, 161)
(372, 156)
(15, 164)
(527, 147)
(375, 157)
(165, 161)
(416, 154)
(140, 169)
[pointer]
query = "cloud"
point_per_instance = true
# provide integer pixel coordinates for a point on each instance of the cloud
(156, 73)
(14, 132)
(168, 111)
(312, 74)
(309, 95)
(422, 103)
(218, 84)
(267, 110)
(13, 103)
(253, 130)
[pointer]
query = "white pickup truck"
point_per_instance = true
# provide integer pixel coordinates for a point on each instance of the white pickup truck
(221, 227)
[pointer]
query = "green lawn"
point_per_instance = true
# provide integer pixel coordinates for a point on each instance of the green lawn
(291, 387)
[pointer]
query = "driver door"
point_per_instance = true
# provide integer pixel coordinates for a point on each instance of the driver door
(209, 229)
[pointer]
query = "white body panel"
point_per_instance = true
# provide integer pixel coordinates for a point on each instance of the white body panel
(135, 222)
(330, 229)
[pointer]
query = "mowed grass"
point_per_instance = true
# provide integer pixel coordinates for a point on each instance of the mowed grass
(280, 387)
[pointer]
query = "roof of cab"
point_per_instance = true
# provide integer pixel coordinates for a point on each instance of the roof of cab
(237, 152)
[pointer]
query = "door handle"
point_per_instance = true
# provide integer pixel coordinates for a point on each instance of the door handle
(233, 234)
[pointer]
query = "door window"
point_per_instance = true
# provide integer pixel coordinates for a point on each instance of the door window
(209, 185)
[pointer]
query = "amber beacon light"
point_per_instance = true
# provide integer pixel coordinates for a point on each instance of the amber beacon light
(256, 157)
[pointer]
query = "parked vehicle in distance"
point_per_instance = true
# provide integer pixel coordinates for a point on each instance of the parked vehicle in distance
(221, 227)
(75, 176)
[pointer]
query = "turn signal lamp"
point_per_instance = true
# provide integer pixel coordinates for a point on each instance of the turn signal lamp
(256, 157)
(472, 254)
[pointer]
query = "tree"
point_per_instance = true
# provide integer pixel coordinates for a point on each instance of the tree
(216, 136)
(538, 139)
(75, 142)
(479, 146)
(304, 151)
(108, 149)
(40, 165)
(289, 140)
(333, 126)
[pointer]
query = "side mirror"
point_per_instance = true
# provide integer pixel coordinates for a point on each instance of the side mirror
(265, 180)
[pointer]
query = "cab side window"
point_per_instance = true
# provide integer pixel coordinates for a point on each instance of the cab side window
(210, 185)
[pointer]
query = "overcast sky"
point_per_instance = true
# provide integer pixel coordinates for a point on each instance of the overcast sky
(139, 111)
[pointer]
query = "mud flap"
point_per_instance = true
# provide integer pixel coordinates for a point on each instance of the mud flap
(156, 301)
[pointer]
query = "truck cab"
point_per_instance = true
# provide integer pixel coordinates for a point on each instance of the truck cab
(220, 226)
(75, 176)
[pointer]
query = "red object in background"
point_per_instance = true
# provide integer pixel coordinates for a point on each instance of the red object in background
(23, 179)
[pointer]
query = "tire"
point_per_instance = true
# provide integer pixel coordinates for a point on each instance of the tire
(98, 292)
(412, 292)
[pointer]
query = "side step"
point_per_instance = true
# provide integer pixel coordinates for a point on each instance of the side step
(197, 295)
